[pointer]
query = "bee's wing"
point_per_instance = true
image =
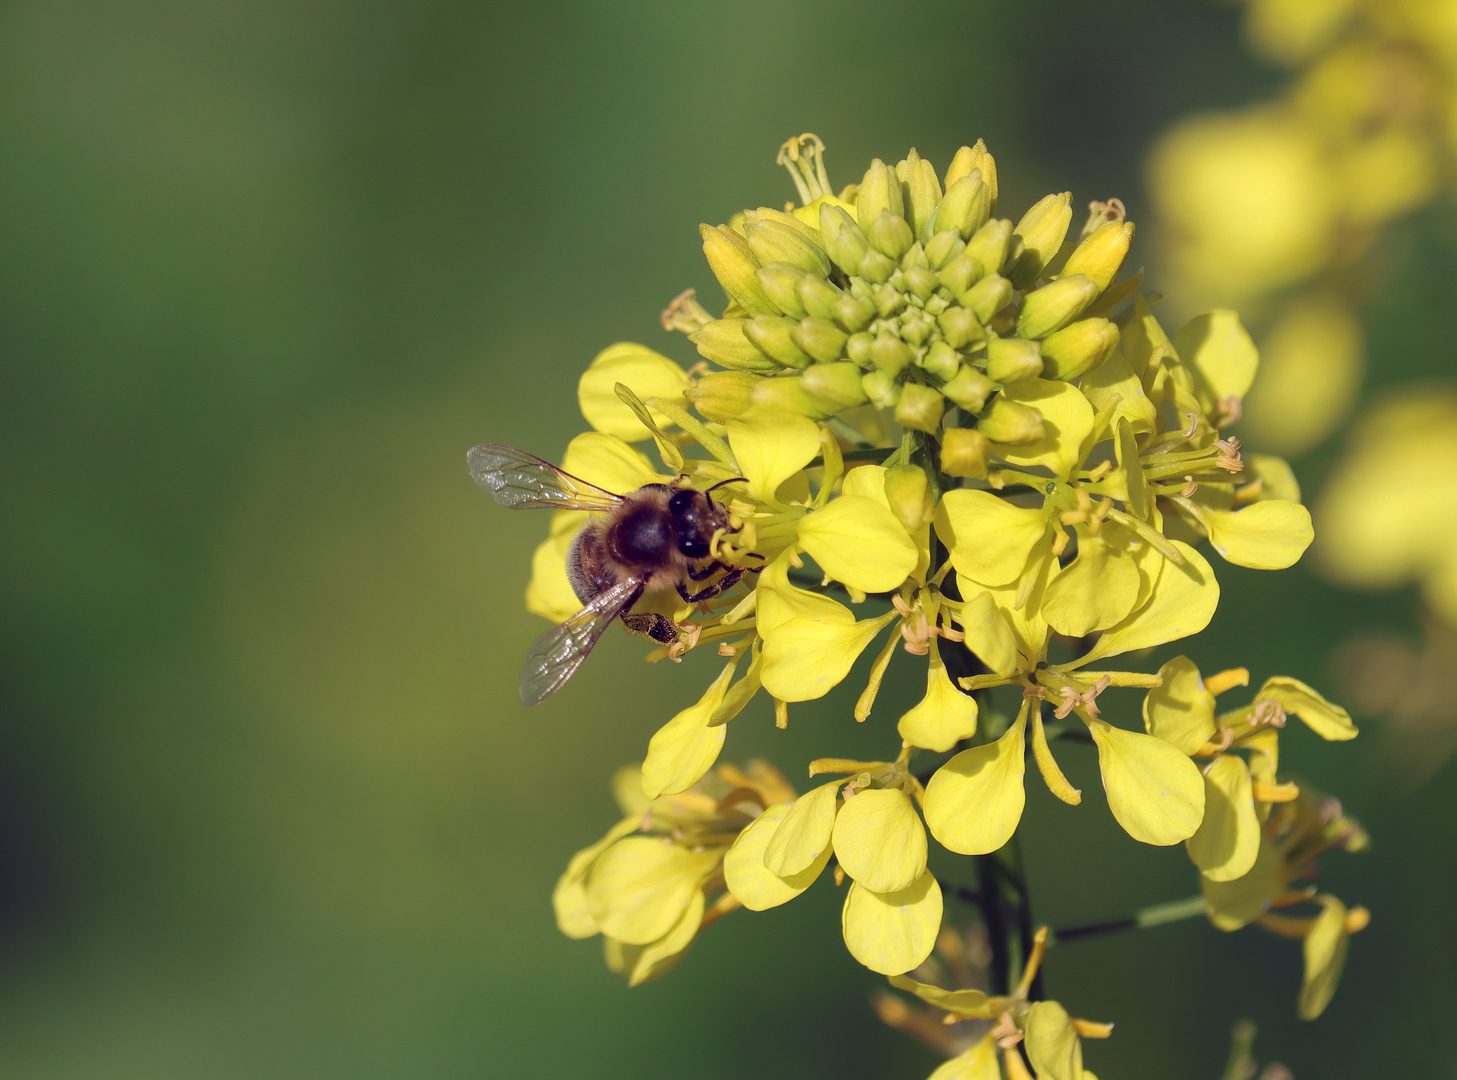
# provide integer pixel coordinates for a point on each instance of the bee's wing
(516, 478)
(558, 653)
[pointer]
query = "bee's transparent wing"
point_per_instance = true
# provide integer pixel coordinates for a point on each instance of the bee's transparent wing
(558, 653)
(515, 478)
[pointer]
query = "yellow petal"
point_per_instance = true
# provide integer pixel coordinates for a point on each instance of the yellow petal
(1130, 470)
(1114, 376)
(1067, 419)
(639, 888)
(804, 834)
(1154, 791)
(891, 933)
(770, 447)
(806, 658)
(1218, 346)
(1182, 603)
(550, 593)
(1325, 957)
(1095, 591)
(858, 541)
(753, 884)
(975, 800)
(1228, 839)
(1326, 720)
(1268, 535)
(867, 480)
(1233, 904)
(989, 538)
(686, 746)
(978, 1063)
(1276, 477)
(1181, 711)
(989, 634)
(569, 898)
(1053, 1046)
(945, 715)
(779, 601)
(644, 963)
(879, 840)
(646, 373)
(608, 462)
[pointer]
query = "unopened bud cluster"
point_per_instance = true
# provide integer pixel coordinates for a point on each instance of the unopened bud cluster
(911, 297)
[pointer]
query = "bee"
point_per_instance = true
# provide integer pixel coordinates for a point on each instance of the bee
(656, 538)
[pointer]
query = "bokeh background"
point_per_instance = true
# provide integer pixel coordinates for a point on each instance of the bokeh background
(268, 804)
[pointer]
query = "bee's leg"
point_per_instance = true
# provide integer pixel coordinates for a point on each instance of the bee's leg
(650, 624)
(728, 581)
(699, 573)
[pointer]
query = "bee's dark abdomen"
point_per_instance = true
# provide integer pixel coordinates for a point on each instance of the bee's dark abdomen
(585, 569)
(644, 537)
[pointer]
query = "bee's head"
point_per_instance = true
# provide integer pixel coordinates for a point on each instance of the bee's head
(696, 517)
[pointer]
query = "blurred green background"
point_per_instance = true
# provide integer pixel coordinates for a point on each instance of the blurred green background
(268, 803)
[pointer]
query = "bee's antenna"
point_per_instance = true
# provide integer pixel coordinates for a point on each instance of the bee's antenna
(731, 480)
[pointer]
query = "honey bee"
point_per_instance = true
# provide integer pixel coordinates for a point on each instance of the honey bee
(656, 538)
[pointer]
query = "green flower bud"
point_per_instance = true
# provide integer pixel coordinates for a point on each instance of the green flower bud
(775, 242)
(890, 354)
(1011, 422)
(1042, 229)
(1101, 253)
(1078, 348)
(978, 159)
(1010, 359)
(820, 338)
(915, 258)
(987, 297)
(858, 349)
(969, 389)
(880, 190)
(889, 300)
(920, 189)
(781, 282)
(724, 342)
(960, 327)
(834, 387)
(965, 452)
(1055, 305)
(916, 328)
(922, 283)
(919, 408)
(734, 264)
(723, 395)
(941, 361)
(890, 235)
(844, 240)
(909, 494)
(989, 245)
(876, 267)
(786, 394)
(818, 297)
(771, 333)
(966, 207)
(959, 274)
(942, 248)
(854, 315)
(882, 389)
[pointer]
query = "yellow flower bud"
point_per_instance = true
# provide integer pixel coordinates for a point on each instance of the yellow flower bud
(890, 235)
(989, 245)
(776, 242)
(942, 248)
(941, 360)
(880, 190)
(975, 158)
(1101, 253)
(1010, 359)
(921, 282)
(821, 338)
(1055, 305)
(854, 315)
(876, 266)
(844, 240)
(723, 395)
(771, 334)
(966, 207)
(959, 274)
(987, 297)
(969, 389)
(921, 191)
(965, 452)
(1011, 422)
(1042, 229)
(785, 394)
(818, 297)
(909, 494)
(781, 283)
(919, 408)
(833, 387)
(723, 342)
(890, 353)
(733, 263)
(960, 327)
(858, 349)
(881, 388)
(1078, 348)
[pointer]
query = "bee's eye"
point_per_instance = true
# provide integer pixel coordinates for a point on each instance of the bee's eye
(682, 503)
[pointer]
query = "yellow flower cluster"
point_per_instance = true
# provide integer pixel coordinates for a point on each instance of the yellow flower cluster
(984, 443)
